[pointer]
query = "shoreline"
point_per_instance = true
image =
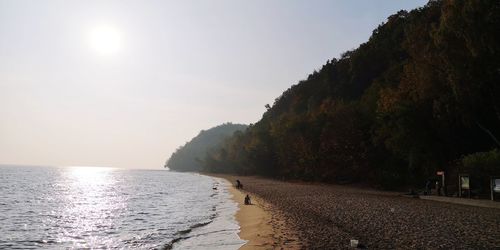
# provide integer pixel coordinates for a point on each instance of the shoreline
(316, 216)
(330, 216)
(262, 226)
(253, 220)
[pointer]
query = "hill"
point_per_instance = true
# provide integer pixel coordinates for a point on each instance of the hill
(189, 156)
(418, 96)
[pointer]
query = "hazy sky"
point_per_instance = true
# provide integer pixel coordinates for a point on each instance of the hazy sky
(124, 83)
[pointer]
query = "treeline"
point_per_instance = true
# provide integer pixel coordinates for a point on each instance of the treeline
(422, 93)
(190, 156)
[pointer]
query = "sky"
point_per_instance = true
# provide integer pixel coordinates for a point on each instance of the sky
(124, 83)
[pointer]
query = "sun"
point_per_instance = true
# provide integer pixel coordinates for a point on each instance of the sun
(105, 39)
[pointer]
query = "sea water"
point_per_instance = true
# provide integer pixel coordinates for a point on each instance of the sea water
(91, 207)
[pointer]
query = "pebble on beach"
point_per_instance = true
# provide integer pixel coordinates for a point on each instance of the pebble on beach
(330, 216)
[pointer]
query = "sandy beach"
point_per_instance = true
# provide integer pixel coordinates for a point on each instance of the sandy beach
(329, 216)
(261, 225)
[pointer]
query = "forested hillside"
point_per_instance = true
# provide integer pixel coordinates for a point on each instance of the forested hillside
(422, 93)
(189, 156)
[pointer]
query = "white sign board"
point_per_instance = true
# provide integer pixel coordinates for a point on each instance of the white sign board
(464, 182)
(496, 185)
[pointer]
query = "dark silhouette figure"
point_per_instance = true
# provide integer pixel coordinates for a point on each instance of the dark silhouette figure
(239, 185)
(427, 187)
(247, 200)
(438, 188)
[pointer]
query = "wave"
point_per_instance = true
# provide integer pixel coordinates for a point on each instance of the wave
(223, 230)
(181, 235)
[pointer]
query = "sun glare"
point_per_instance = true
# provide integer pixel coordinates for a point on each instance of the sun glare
(105, 39)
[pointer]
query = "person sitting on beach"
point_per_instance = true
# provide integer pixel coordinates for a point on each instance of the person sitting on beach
(247, 200)
(239, 185)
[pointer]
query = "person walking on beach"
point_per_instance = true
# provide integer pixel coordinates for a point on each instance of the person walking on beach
(239, 185)
(438, 188)
(247, 200)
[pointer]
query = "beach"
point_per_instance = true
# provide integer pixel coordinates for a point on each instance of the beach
(261, 224)
(294, 215)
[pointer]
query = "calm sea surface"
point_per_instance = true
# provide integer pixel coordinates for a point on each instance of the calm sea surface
(90, 207)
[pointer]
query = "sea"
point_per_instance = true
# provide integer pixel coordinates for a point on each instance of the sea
(112, 208)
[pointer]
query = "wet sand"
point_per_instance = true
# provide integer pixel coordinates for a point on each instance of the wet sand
(261, 225)
(315, 216)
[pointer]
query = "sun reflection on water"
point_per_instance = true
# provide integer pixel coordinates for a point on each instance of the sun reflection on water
(90, 175)
(91, 206)
(102, 208)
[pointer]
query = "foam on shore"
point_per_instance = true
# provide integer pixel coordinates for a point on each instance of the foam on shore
(222, 231)
(254, 221)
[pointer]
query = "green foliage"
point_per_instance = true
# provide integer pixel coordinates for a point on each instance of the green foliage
(483, 163)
